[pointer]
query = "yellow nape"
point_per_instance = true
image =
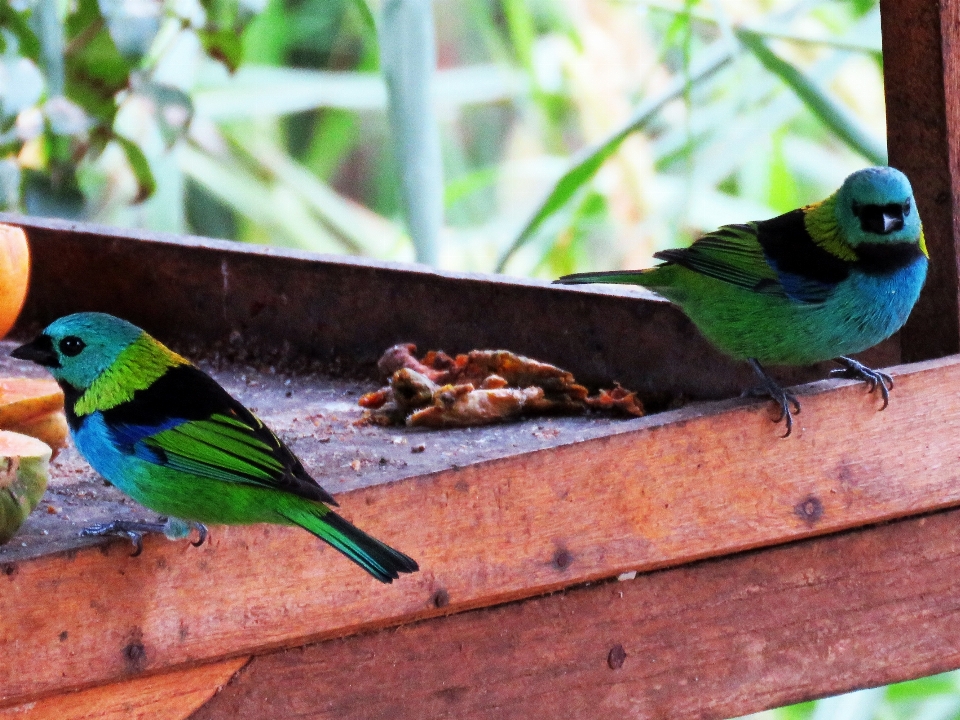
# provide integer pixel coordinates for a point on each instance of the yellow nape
(820, 219)
(141, 364)
(923, 244)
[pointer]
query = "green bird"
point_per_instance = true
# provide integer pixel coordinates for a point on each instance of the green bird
(818, 283)
(165, 433)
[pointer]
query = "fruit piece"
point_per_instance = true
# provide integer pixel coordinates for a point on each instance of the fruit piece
(14, 275)
(24, 468)
(33, 407)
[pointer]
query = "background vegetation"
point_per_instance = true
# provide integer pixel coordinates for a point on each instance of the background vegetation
(536, 137)
(555, 135)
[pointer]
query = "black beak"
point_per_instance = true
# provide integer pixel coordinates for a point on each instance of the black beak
(40, 351)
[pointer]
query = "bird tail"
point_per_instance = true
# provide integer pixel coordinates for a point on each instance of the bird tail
(617, 277)
(377, 558)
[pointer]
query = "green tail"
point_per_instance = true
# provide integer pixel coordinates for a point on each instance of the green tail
(378, 559)
(614, 277)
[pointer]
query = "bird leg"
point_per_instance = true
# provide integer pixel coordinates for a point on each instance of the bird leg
(177, 529)
(133, 530)
(783, 398)
(858, 371)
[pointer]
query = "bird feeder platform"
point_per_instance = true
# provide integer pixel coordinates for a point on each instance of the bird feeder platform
(690, 563)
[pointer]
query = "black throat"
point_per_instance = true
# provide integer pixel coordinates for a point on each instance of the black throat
(886, 258)
(70, 397)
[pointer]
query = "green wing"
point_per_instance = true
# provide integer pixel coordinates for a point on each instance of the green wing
(776, 257)
(187, 422)
(732, 254)
(221, 448)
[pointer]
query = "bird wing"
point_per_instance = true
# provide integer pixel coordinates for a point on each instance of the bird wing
(187, 422)
(732, 254)
(775, 257)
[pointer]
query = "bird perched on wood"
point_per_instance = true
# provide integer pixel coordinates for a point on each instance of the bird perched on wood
(165, 433)
(818, 283)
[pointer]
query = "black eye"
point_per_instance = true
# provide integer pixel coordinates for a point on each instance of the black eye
(855, 208)
(906, 208)
(72, 346)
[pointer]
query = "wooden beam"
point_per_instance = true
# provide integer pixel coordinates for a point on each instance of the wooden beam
(208, 296)
(669, 489)
(716, 639)
(170, 696)
(921, 60)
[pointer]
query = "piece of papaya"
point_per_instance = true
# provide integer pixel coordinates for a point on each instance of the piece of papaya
(14, 274)
(24, 469)
(33, 407)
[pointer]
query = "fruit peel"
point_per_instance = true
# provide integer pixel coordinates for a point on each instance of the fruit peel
(24, 471)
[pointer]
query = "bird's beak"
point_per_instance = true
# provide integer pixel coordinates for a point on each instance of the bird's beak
(892, 223)
(39, 350)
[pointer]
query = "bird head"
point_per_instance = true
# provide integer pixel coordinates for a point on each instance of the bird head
(78, 348)
(875, 205)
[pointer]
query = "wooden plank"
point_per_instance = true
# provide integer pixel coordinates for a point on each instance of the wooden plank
(716, 639)
(921, 54)
(273, 305)
(171, 696)
(657, 491)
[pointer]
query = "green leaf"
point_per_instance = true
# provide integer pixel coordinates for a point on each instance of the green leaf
(140, 166)
(222, 35)
(830, 112)
(223, 45)
(408, 62)
(16, 24)
(174, 108)
(95, 69)
(589, 162)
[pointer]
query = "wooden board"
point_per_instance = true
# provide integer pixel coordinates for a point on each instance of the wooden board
(170, 696)
(654, 492)
(208, 296)
(716, 639)
(921, 60)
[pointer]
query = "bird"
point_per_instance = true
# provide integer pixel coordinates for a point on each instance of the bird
(168, 435)
(821, 282)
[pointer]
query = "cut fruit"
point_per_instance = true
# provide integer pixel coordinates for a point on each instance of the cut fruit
(33, 407)
(14, 275)
(24, 469)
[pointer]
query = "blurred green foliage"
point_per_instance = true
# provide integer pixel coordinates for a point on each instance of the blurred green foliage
(572, 134)
(932, 698)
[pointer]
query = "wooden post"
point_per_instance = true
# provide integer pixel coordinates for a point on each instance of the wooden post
(921, 54)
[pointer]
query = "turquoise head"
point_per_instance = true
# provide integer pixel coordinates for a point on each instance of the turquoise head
(876, 206)
(78, 348)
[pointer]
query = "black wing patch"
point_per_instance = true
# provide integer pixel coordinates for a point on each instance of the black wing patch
(807, 272)
(186, 393)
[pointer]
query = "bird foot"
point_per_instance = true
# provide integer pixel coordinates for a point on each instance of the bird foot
(133, 530)
(782, 397)
(129, 529)
(876, 379)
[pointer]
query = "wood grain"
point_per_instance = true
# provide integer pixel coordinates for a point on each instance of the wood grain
(659, 491)
(715, 639)
(170, 696)
(208, 295)
(921, 60)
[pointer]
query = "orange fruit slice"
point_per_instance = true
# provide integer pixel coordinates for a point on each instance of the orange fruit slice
(14, 275)
(33, 407)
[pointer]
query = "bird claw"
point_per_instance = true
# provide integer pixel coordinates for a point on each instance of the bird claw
(875, 379)
(134, 531)
(783, 398)
(129, 529)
